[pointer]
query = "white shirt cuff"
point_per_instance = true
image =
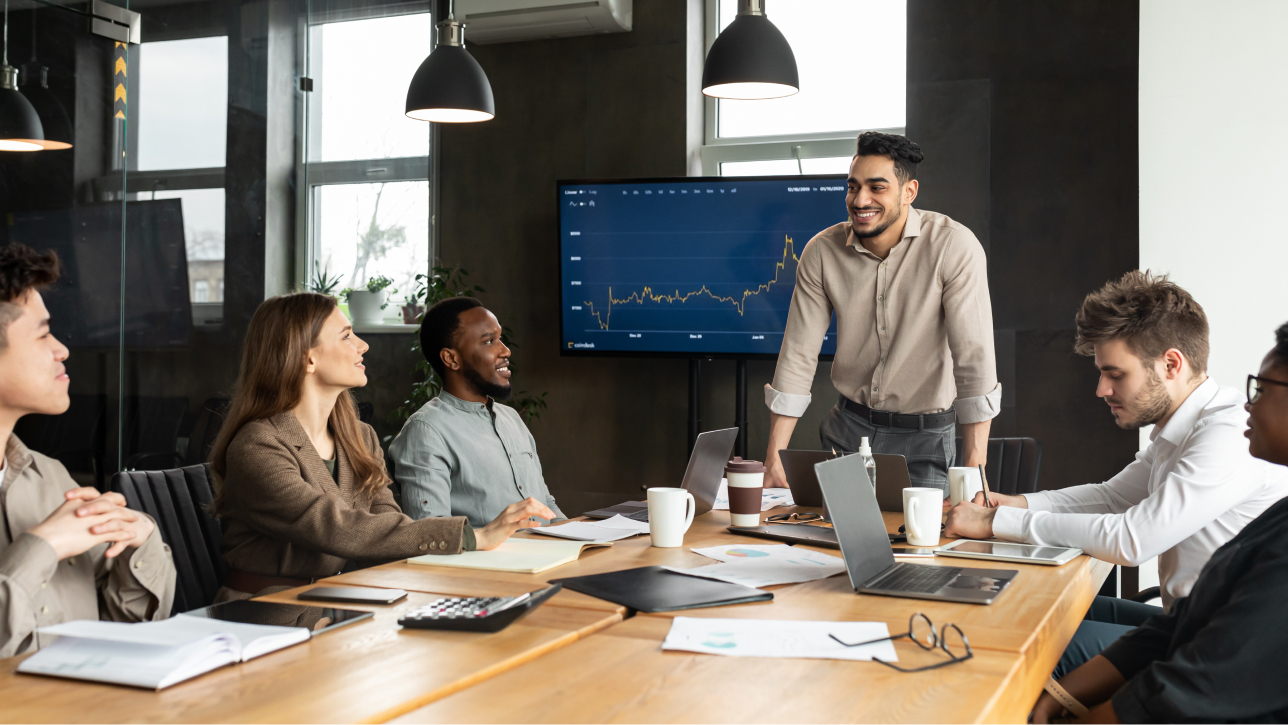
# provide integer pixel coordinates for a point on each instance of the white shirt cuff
(789, 404)
(979, 408)
(1010, 522)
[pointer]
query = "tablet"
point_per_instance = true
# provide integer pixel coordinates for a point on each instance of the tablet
(1006, 551)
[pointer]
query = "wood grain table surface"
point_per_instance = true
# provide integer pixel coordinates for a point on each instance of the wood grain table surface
(621, 675)
(368, 671)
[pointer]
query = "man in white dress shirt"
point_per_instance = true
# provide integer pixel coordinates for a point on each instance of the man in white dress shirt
(1192, 490)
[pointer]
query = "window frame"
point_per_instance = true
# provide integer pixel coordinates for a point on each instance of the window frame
(312, 175)
(716, 151)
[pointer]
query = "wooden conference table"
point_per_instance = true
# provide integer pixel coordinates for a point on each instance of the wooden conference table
(580, 659)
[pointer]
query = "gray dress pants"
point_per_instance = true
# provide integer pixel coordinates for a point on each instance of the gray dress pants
(929, 452)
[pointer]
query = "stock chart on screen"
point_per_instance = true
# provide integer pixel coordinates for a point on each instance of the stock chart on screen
(687, 266)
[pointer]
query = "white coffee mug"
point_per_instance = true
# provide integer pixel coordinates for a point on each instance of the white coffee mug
(670, 513)
(963, 484)
(923, 509)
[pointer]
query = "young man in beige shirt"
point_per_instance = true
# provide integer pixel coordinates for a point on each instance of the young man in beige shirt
(66, 552)
(914, 349)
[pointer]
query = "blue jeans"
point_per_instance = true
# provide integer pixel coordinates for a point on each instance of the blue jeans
(1108, 619)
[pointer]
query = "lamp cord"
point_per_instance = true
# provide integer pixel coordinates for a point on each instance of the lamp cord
(6, 32)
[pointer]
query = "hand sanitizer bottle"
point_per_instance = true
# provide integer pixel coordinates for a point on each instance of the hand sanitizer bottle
(869, 462)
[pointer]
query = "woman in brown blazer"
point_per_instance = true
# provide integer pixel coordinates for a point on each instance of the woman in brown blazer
(300, 482)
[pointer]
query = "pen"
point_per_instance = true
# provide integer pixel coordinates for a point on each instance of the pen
(984, 480)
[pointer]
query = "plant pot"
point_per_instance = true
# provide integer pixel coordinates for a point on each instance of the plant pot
(365, 307)
(411, 314)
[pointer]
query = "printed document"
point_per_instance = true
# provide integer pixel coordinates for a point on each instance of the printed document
(770, 498)
(618, 527)
(779, 638)
(762, 566)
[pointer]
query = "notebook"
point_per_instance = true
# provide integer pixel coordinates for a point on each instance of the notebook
(154, 655)
(613, 529)
(524, 556)
(654, 589)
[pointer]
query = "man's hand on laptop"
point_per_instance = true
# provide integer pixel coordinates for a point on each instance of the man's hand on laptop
(515, 516)
(969, 520)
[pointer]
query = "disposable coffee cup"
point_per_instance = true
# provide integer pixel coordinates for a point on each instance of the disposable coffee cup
(746, 484)
(963, 484)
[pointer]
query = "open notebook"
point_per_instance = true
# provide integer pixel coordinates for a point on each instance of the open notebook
(522, 555)
(154, 655)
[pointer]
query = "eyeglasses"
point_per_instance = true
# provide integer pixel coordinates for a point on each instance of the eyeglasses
(921, 631)
(1254, 387)
(800, 517)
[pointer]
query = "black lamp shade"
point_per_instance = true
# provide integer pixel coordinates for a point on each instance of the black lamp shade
(20, 128)
(750, 60)
(53, 117)
(450, 87)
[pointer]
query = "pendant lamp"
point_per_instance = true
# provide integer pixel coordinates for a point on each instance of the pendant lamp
(20, 128)
(751, 59)
(450, 86)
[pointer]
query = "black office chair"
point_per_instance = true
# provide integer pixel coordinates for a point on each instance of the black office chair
(180, 500)
(1013, 464)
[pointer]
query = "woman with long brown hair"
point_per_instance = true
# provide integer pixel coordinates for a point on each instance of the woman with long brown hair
(300, 482)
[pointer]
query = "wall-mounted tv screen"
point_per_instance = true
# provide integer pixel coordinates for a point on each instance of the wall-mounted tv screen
(691, 267)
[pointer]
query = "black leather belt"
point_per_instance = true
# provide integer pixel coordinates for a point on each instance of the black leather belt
(900, 420)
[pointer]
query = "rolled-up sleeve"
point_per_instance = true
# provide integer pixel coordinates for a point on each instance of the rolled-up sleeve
(968, 318)
(807, 323)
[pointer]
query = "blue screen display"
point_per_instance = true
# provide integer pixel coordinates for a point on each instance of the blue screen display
(688, 266)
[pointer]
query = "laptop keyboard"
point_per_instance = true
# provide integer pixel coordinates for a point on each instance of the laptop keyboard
(641, 515)
(916, 578)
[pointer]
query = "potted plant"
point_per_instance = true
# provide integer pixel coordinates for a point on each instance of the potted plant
(366, 306)
(412, 308)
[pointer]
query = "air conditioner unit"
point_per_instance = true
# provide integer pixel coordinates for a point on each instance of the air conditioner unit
(506, 21)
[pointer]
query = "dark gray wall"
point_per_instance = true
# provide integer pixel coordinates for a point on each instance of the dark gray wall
(1027, 115)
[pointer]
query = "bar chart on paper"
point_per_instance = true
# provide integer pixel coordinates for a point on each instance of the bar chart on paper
(688, 266)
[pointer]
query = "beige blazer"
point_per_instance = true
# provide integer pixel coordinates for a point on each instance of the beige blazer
(284, 515)
(38, 590)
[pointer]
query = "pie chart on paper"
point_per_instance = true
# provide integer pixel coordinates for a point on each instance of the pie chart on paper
(746, 553)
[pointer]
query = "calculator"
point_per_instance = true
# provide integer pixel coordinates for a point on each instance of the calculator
(476, 614)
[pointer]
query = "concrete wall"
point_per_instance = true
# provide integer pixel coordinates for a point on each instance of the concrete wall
(1027, 115)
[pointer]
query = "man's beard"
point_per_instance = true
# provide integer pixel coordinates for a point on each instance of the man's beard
(1152, 403)
(496, 392)
(877, 231)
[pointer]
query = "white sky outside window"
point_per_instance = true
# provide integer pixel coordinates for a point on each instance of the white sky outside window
(183, 103)
(784, 167)
(361, 70)
(852, 60)
(203, 221)
(393, 239)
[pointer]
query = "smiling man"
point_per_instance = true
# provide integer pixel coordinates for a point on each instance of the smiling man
(117, 567)
(462, 453)
(914, 348)
(1193, 489)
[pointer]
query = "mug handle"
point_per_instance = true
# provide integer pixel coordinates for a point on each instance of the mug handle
(911, 522)
(692, 506)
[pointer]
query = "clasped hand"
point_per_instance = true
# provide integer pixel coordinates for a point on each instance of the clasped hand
(88, 518)
(973, 520)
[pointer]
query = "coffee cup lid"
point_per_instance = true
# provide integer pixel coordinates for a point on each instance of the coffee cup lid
(737, 465)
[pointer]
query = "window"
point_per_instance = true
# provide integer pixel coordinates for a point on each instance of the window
(852, 79)
(178, 151)
(367, 194)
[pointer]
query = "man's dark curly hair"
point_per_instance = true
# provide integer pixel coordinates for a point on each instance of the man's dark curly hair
(439, 326)
(21, 268)
(1281, 344)
(904, 153)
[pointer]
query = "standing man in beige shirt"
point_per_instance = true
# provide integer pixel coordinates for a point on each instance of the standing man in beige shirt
(65, 552)
(914, 349)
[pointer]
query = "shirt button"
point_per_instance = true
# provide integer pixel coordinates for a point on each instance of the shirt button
(875, 388)
(442, 544)
(138, 564)
(881, 298)
(883, 329)
(43, 584)
(44, 610)
(424, 546)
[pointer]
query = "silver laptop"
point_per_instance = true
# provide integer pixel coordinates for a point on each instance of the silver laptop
(865, 546)
(701, 478)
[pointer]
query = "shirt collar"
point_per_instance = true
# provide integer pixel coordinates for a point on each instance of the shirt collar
(911, 228)
(16, 456)
(1188, 414)
(465, 405)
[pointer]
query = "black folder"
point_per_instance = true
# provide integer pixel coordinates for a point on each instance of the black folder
(654, 589)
